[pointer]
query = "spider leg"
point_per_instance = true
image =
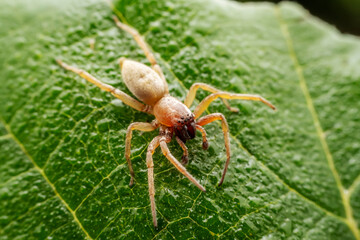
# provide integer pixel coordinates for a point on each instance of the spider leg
(142, 126)
(185, 158)
(150, 165)
(140, 41)
(192, 92)
(177, 164)
(132, 102)
(225, 128)
(205, 144)
(206, 102)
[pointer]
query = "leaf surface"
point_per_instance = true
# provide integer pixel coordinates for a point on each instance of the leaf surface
(294, 173)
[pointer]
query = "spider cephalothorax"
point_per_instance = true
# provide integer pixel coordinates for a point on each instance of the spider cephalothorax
(171, 115)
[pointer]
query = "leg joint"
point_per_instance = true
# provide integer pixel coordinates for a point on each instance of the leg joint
(150, 163)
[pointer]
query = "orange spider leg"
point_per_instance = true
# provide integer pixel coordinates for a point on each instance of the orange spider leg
(205, 144)
(225, 128)
(177, 164)
(206, 102)
(150, 165)
(140, 41)
(185, 158)
(192, 92)
(142, 126)
(106, 87)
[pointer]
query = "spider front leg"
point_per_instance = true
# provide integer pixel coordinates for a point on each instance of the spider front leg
(192, 92)
(165, 150)
(140, 41)
(150, 165)
(185, 158)
(206, 102)
(106, 87)
(225, 128)
(142, 126)
(205, 144)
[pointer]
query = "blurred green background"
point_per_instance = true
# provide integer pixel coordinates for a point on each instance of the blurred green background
(344, 14)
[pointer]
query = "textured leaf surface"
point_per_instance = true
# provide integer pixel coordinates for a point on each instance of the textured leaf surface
(294, 173)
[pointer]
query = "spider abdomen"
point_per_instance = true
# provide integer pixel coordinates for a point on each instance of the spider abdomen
(142, 81)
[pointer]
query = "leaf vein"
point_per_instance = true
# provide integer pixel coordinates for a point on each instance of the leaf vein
(28, 211)
(350, 221)
(16, 176)
(56, 229)
(97, 186)
(72, 131)
(353, 186)
(41, 171)
(262, 164)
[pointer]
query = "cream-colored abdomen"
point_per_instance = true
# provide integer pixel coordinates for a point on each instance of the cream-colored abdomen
(143, 82)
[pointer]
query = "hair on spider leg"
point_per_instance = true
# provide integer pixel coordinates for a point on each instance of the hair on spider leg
(173, 118)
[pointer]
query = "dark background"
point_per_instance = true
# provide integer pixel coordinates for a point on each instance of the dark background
(344, 14)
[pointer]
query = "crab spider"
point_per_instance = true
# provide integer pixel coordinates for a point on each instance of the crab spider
(172, 117)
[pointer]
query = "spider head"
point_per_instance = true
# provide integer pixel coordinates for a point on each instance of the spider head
(186, 128)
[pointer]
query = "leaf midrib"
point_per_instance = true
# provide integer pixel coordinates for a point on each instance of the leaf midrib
(345, 198)
(252, 156)
(349, 220)
(320, 135)
(41, 171)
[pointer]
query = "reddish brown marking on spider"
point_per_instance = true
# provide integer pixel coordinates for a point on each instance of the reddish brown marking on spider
(172, 117)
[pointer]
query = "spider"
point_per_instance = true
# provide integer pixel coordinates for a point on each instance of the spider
(172, 117)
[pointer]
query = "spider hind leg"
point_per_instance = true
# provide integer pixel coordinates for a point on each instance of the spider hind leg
(150, 165)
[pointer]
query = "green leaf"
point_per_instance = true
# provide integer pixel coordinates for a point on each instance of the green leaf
(294, 173)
